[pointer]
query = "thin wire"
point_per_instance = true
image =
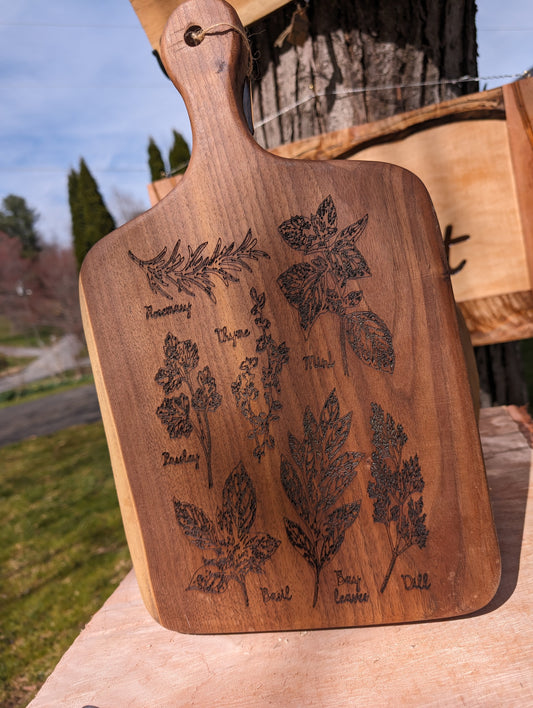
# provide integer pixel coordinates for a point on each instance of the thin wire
(368, 89)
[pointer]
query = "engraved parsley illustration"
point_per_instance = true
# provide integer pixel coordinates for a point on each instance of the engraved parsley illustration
(395, 488)
(314, 483)
(244, 388)
(181, 358)
(234, 550)
(319, 286)
(197, 270)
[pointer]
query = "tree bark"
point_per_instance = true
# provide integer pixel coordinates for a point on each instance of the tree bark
(356, 45)
(401, 53)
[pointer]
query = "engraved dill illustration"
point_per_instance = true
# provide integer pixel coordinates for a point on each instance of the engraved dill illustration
(397, 488)
(319, 286)
(232, 550)
(245, 389)
(318, 476)
(195, 269)
(181, 359)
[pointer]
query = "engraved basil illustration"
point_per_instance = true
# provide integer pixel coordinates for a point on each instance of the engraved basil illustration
(232, 551)
(314, 482)
(245, 389)
(196, 269)
(181, 359)
(319, 286)
(397, 488)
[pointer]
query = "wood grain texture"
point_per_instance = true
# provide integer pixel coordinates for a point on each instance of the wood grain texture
(347, 141)
(282, 381)
(519, 119)
(123, 657)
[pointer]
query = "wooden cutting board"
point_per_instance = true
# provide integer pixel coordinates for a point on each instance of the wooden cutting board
(282, 382)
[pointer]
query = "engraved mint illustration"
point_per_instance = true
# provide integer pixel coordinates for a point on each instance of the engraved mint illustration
(181, 359)
(194, 269)
(232, 551)
(319, 286)
(319, 474)
(397, 488)
(245, 388)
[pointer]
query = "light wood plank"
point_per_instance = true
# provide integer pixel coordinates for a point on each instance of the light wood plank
(153, 14)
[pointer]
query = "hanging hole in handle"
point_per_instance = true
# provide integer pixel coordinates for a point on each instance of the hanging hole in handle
(193, 36)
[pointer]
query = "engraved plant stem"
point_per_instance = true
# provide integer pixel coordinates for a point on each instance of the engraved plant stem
(203, 433)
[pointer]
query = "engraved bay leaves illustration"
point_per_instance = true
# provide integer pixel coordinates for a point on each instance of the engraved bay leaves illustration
(318, 286)
(319, 472)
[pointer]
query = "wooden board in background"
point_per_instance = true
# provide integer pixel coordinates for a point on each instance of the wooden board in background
(153, 14)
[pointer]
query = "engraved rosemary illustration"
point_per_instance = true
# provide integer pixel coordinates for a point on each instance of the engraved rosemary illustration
(181, 359)
(397, 488)
(197, 270)
(234, 551)
(244, 388)
(314, 483)
(319, 286)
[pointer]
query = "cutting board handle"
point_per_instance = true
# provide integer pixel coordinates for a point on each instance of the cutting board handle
(207, 57)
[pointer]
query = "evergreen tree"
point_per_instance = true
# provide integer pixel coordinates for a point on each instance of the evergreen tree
(179, 154)
(76, 216)
(155, 161)
(90, 218)
(18, 220)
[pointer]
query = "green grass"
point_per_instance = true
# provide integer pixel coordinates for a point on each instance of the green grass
(62, 551)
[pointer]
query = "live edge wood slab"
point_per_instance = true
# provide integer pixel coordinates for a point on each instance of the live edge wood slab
(124, 658)
(282, 382)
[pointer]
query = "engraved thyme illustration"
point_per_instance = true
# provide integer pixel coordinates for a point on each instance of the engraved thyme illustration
(245, 389)
(181, 359)
(396, 488)
(315, 482)
(195, 269)
(234, 551)
(319, 286)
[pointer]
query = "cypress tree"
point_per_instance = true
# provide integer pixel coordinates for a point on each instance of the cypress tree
(90, 218)
(76, 216)
(179, 154)
(155, 161)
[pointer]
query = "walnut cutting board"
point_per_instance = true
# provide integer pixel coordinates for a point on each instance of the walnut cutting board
(282, 382)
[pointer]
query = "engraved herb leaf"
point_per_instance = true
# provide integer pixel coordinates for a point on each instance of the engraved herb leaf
(314, 481)
(235, 550)
(319, 286)
(181, 358)
(245, 389)
(396, 488)
(195, 269)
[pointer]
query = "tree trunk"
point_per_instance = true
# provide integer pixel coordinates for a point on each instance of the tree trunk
(355, 45)
(402, 54)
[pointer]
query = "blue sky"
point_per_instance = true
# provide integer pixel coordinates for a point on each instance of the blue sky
(77, 79)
